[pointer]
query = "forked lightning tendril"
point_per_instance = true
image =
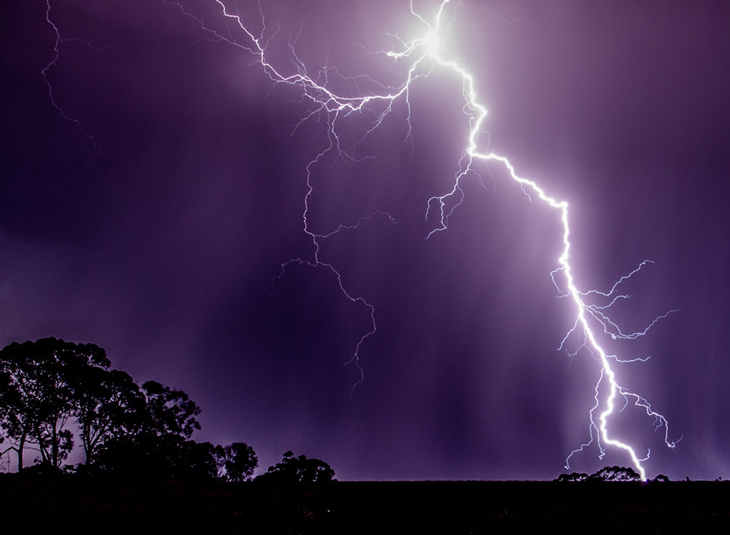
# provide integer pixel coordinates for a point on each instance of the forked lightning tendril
(420, 57)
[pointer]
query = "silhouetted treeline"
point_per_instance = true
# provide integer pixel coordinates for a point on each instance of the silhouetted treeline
(609, 473)
(124, 430)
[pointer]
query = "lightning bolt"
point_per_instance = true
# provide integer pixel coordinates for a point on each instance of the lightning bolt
(421, 57)
(58, 41)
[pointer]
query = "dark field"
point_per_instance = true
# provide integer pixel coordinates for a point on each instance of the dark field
(363, 507)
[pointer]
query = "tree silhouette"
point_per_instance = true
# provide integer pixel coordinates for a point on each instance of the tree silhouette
(39, 393)
(575, 476)
(168, 411)
(615, 473)
(15, 423)
(107, 404)
(154, 444)
(125, 431)
(237, 461)
(608, 473)
(298, 470)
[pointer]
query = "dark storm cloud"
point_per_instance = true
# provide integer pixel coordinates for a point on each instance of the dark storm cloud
(164, 246)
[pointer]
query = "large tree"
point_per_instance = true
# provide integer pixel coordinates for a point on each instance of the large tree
(15, 423)
(40, 393)
(156, 444)
(108, 406)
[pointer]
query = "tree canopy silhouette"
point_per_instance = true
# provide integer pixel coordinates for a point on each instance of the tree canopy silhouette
(298, 470)
(125, 431)
(156, 442)
(237, 462)
(607, 473)
(41, 385)
(108, 405)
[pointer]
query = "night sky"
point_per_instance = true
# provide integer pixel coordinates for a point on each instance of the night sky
(152, 215)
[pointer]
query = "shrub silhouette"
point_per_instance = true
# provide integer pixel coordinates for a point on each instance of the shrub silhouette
(575, 476)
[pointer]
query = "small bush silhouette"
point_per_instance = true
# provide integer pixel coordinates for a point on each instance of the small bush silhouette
(575, 476)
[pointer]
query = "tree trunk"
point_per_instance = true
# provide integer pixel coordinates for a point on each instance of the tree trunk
(54, 446)
(20, 453)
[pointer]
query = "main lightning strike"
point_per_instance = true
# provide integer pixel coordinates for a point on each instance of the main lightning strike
(419, 52)
(426, 52)
(423, 55)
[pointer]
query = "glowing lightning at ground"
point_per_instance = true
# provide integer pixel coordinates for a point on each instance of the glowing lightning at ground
(422, 56)
(478, 115)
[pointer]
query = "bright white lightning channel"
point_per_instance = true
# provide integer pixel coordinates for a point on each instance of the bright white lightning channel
(422, 56)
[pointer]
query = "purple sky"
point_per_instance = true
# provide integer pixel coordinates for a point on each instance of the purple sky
(162, 244)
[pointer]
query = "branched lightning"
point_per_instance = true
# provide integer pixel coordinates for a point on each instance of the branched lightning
(53, 63)
(420, 57)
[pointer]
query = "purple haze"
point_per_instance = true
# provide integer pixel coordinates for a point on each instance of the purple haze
(162, 244)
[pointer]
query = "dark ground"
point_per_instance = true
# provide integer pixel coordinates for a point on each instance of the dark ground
(363, 507)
